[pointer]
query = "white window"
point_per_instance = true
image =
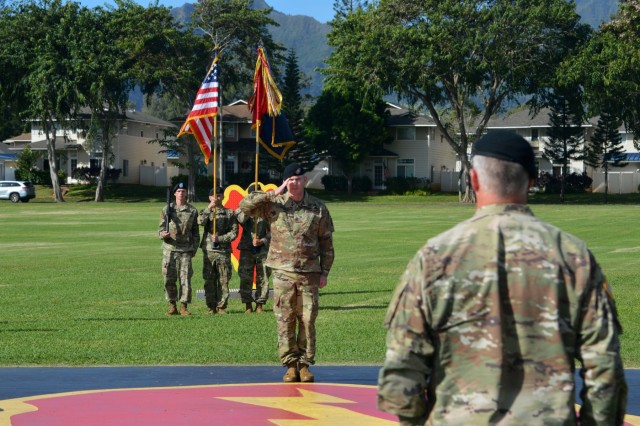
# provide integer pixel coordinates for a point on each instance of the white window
(405, 167)
(406, 133)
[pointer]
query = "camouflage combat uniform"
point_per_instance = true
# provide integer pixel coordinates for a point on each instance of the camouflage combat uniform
(301, 250)
(486, 323)
(178, 249)
(252, 257)
(216, 262)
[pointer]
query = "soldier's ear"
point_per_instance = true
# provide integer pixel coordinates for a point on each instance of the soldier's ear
(475, 183)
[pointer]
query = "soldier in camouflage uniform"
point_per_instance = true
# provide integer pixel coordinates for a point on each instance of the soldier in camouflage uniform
(300, 257)
(490, 316)
(216, 251)
(253, 246)
(179, 245)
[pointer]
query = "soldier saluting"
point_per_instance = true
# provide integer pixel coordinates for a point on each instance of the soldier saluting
(300, 257)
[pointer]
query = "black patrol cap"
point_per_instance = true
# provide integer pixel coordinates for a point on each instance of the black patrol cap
(251, 188)
(179, 185)
(219, 191)
(507, 146)
(294, 169)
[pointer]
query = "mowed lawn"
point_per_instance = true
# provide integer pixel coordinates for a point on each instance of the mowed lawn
(81, 284)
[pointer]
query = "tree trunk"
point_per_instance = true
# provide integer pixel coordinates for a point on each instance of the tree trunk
(53, 168)
(606, 183)
(101, 178)
(104, 161)
(469, 195)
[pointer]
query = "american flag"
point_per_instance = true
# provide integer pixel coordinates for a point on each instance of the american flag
(202, 120)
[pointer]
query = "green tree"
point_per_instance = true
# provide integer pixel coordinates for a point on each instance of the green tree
(27, 163)
(606, 148)
(136, 43)
(608, 69)
(237, 29)
(51, 84)
(347, 128)
(191, 58)
(12, 57)
(566, 136)
(470, 56)
(302, 152)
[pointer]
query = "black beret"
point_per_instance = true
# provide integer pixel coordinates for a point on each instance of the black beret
(507, 146)
(220, 191)
(294, 169)
(179, 185)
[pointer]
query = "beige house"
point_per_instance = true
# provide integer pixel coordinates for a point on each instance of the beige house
(535, 130)
(418, 150)
(140, 161)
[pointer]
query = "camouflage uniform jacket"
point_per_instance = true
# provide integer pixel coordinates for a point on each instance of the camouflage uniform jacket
(301, 233)
(183, 228)
(226, 229)
(486, 323)
(248, 228)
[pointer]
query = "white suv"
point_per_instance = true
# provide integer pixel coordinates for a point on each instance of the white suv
(17, 190)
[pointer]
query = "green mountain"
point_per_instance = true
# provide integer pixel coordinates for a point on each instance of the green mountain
(595, 12)
(308, 36)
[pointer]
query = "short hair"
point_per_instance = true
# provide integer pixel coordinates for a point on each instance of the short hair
(504, 178)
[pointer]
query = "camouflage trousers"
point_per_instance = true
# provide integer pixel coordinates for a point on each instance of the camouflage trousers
(249, 262)
(177, 265)
(295, 306)
(216, 271)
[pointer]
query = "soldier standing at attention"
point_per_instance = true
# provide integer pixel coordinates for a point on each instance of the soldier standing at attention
(179, 245)
(253, 247)
(216, 251)
(489, 317)
(300, 257)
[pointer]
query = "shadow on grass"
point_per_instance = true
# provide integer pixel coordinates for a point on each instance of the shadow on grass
(338, 293)
(352, 308)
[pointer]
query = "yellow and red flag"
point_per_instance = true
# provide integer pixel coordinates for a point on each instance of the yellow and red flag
(272, 129)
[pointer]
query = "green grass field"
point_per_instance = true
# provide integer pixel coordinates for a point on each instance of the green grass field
(80, 282)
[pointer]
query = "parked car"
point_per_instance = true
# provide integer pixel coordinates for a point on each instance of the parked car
(17, 190)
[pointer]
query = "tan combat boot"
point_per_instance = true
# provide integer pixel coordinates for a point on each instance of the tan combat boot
(259, 308)
(248, 308)
(221, 311)
(292, 373)
(173, 310)
(305, 374)
(183, 310)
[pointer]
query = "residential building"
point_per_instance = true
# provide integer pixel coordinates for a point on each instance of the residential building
(535, 129)
(417, 150)
(140, 161)
(7, 163)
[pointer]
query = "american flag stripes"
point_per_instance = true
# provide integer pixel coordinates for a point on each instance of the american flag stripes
(202, 120)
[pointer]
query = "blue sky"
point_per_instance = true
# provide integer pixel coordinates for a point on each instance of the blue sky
(322, 10)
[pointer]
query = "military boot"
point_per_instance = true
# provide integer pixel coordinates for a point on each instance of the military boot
(292, 373)
(259, 308)
(305, 374)
(183, 310)
(173, 310)
(248, 308)
(221, 311)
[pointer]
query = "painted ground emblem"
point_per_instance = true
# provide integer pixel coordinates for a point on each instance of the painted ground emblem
(255, 404)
